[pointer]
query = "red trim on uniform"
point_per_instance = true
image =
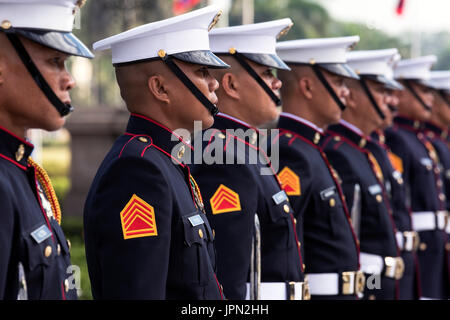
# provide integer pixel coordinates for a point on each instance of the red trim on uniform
(17, 137)
(210, 139)
(14, 162)
(62, 291)
(218, 285)
(134, 136)
(168, 154)
(162, 126)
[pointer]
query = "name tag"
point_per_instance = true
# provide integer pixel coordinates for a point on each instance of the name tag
(374, 189)
(426, 162)
(325, 194)
(41, 233)
(279, 197)
(196, 220)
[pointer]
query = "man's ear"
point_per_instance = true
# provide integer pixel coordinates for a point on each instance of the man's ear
(157, 86)
(306, 87)
(230, 85)
(350, 99)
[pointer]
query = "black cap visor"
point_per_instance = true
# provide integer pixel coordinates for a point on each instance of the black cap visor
(269, 60)
(341, 69)
(65, 42)
(202, 57)
(390, 84)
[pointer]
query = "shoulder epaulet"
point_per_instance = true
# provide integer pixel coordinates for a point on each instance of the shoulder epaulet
(136, 145)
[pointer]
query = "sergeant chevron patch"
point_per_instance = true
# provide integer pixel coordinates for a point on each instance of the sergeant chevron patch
(138, 219)
(396, 162)
(290, 182)
(225, 200)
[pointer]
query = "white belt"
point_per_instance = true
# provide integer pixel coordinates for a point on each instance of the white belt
(281, 291)
(328, 283)
(429, 220)
(447, 229)
(375, 264)
(407, 240)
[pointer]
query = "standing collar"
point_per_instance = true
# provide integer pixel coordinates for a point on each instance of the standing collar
(343, 129)
(408, 123)
(14, 149)
(300, 126)
(428, 126)
(162, 137)
(351, 127)
(233, 123)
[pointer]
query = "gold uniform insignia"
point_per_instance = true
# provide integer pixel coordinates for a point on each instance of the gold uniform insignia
(396, 162)
(225, 200)
(138, 219)
(290, 182)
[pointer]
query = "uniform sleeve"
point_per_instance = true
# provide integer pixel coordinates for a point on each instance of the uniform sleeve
(131, 214)
(6, 236)
(294, 167)
(230, 196)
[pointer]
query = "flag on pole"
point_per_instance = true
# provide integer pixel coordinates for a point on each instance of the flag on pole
(400, 7)
(182, 6)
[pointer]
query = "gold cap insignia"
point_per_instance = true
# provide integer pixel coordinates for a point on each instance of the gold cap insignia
(215, 20)
(284, 31)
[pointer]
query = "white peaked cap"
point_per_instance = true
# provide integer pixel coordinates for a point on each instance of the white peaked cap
(415, 68)
(256, 42)
(48, 22)
(329, 53)
(321, 50)
(55, 15)
(375, 65)
(371, 62)
(177, 36)
(439, 80)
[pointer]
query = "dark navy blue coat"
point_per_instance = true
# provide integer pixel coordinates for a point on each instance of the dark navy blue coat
(29, 233)
(345, 150)
(281, 260)
(146, 234)
(421, 175)
(329, 243)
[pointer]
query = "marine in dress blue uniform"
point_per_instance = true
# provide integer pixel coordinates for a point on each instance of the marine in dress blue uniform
(330, 245)
(417, 161)
(146, 232)
(234, 192)
(34, 254)
(377, 65)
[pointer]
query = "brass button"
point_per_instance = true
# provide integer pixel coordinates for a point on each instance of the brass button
(362, 143)
(286, 208)
(442, 197)
(439, 183)
(400, 181)
(69, 244)
(48, 251)
(6, 24)
(304, 267)
(312, 61)
(214, 233)
(332, 202)
(447, 246)
(20, 152)
(253, 138)
(423, 246)
(337, 138)
(200, 233)
(143, 139)
(379, 198)
(299, 244)
(161, 53)
(58, 249)
(288, 135)
(66, 285)
(295, 221)
(316, 138)
(181, 152)
(221, 135)
(372, 297)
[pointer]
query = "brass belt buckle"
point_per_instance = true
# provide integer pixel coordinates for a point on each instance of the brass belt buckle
(416, 241)
(390, 265)
(306, 295)
(360, 282)
(347, 288)
(399, 268)
(291, 290)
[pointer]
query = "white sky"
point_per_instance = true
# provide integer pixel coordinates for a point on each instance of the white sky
(418, 15)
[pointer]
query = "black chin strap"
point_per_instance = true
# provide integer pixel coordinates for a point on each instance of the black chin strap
(371, 98)
(416, 95)
(319, 74)
(392, 108)
(190, 85)
(63, 108)
(241, 59)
